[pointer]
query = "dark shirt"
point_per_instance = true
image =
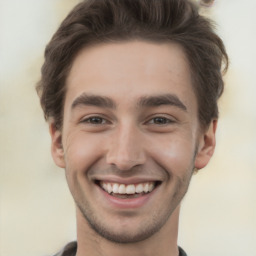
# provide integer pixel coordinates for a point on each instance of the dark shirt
(70, 250)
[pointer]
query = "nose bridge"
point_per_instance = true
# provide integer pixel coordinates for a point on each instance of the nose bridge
(126, 149)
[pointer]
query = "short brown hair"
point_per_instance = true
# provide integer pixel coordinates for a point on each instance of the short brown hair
(97, 21)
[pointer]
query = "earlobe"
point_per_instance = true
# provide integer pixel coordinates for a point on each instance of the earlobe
(206, 146)
(56, 145)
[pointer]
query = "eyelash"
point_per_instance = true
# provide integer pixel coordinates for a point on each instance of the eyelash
(154, 120)
(89, 120)
(165, 119)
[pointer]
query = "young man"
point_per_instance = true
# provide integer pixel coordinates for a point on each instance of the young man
(130, 90)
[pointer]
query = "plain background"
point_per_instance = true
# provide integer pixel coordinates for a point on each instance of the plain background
(37, 216)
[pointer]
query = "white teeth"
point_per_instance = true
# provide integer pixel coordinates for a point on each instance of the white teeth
(139, 188)
(121, 189)
(151, 186)
(146, 188)
(129, 189)
(115, 188)
(109, 189)
(105, 186)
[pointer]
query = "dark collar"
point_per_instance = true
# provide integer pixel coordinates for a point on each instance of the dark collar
(70, 250)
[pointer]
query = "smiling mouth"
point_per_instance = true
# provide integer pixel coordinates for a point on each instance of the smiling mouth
(127, 191)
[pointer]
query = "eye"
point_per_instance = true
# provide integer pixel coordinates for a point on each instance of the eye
(160, 120)
(96, 120)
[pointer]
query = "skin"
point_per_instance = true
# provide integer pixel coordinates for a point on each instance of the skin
(130, 137)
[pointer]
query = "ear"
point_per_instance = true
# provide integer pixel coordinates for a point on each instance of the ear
(207, 142)
(56, 145)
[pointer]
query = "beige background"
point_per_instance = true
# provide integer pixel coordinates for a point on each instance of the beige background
(37, 213)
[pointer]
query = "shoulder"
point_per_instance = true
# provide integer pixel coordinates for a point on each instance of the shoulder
(68, 250)
(182, 252)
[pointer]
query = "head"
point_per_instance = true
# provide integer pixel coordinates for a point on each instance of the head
(101, 21)
(130, 89)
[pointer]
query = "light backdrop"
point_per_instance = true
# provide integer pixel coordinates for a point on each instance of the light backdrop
(37, 216)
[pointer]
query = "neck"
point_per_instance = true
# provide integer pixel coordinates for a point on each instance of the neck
(162, 243)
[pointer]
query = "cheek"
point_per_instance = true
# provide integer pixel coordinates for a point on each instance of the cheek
(175, 154)
(82, 151)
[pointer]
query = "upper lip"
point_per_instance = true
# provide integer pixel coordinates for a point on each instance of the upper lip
(128, 180)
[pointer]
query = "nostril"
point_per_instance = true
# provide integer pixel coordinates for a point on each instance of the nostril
(126, 162)
(123, 164)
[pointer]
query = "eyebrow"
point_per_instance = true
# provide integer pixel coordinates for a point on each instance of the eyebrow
(165, 99)
(145, 101)
(93, 100)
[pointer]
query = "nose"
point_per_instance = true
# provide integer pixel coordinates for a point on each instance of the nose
(125, 149)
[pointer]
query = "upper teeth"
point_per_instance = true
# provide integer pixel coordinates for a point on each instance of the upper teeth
(118, 188)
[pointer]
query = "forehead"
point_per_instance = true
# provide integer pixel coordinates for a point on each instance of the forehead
(129, 70)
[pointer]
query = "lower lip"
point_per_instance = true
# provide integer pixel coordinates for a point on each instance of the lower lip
(127, 203)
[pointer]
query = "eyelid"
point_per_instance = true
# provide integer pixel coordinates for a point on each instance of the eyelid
(164, 116)
(87, 118)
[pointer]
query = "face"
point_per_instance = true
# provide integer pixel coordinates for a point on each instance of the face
(130, 138)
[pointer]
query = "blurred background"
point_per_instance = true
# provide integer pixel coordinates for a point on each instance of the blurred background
(37, 214)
